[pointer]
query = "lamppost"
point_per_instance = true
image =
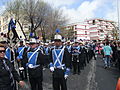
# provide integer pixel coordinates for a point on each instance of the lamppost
(118, 17)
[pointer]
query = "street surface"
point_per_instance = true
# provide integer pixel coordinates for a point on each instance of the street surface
(93, 77)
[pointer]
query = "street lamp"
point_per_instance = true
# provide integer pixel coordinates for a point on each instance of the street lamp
(118, 17)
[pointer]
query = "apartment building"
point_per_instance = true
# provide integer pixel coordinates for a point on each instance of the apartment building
(100, 28)
(93, 29)
(4, 24)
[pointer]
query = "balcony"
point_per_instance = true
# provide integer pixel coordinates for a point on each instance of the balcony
(93, 30)
(94, 35)
(93, 26)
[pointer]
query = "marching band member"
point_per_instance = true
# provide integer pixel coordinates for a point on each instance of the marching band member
(75, 58)
(59, 64)
(22, 67)
(47, 54)
(69, 47)
(83, 56)
(35, 60)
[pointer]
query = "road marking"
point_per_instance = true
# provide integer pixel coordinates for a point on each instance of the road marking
(92, 84)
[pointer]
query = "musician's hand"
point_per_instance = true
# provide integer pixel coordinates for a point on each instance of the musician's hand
(30, 65)
(18, 60)
(65, 76)
(52, 69)
(75, 50)
(22, 83)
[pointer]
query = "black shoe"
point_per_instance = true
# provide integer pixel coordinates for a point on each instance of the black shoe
(105, 67)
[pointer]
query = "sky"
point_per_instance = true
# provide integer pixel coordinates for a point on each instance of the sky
(80, 10)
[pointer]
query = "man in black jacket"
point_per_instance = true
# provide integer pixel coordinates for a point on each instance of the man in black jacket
(8, 73)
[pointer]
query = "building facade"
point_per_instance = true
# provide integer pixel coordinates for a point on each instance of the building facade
(3, 24)
(100, 29)
(94, 29)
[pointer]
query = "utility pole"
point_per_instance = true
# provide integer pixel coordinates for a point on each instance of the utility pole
(118, 18)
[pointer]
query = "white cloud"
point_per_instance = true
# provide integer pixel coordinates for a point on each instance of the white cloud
(58, 3)
(87, 9)
(112, 14)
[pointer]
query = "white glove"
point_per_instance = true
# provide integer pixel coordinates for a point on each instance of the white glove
(65, 76)
(21, 68)
(30, 66)
(51, 69)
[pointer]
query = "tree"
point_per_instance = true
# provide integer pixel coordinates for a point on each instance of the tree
(55, 20)
(40, 16)
(35, 13)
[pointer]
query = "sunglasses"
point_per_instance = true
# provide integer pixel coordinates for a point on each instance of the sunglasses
(2, 51)
(32, 44)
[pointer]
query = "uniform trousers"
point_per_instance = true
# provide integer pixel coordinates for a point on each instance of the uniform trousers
(36, 83)
(76, 67)
(59, 84)
(76, 64)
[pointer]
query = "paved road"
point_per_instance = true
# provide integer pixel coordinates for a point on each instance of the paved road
(93, 77)
(106, 79)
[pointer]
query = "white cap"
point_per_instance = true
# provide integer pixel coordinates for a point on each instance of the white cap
(38, 41)
(68, 41)
(21, 40)
(33, 40)
(46, 43)
(27, 42)
(57, 36)
(41, 43)
(76, 40)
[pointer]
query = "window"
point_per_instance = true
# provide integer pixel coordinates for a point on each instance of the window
(93, 22)
(100, 20)
(101, 31)
(25, 26)
(102, 35)
(106, 26)
(75, 26)
(98, 32)
(75, 32)
(3, 20)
